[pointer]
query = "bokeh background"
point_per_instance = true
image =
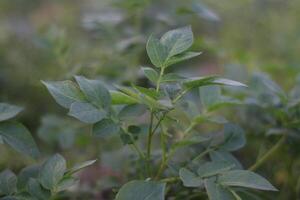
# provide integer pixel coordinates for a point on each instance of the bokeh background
(56, 39)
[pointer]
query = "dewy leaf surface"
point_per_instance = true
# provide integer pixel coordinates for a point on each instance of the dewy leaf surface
(64, 92)
(8, 111)
(244, 178)
(18, 137)
(142, 190)
(86, 112)
(177, 40)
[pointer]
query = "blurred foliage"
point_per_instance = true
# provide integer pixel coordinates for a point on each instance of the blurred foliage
(56, 39)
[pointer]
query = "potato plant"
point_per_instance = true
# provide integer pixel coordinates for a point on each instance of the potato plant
(39, 181)
(176, 158)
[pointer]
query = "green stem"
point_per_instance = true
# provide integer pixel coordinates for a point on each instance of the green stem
(170, 179)
(164, 153)
(180, 96)
(149, 141)
(268, 155)
(159, 78)
(201, 155)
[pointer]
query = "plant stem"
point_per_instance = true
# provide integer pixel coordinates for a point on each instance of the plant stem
(159, 78)
(149, 142)
(170, 179)
(164, 153)
(202, 154)
(150, 135)
(268, 155)
(179, 96)
(138, 150)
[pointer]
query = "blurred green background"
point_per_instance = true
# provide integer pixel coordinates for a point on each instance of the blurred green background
(56, 39)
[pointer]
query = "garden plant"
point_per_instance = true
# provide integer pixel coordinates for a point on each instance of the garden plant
(162, 124)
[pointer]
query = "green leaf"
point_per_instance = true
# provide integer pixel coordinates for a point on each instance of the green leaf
(95, 92)
(208, 118)
(25, 175)
(80, 166)
(151, 74)
(64, 92)
(182, 57)
(52, 172)
(144, 99)
(105, 128)
(138, 190)
(213, 168)
(119, 98)
(8, 182)
(177, 40)
(210, 95)
(216, 191)
(8, 111)
(35, 189)
(189, 141)
(225, 156)
(132, 111)
(190, 179)
(157, 52)
(18, 137)
(244, 178)
(151, 92)
(198, 81)
(66, 183)
(86, 112)
(234, 138)
(210, 80)
(171, 77)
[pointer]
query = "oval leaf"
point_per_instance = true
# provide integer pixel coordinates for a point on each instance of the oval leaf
(244, 178)
(8, 111)
(105, 128)
(190, 179)
(95, 92)
(178, 40)
(215, 191)
(138, 190)
(157, 52)
(86, 112)
(52, 172)
(18, 137)
(64, 92)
